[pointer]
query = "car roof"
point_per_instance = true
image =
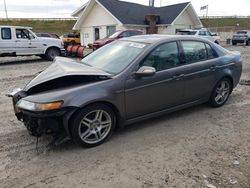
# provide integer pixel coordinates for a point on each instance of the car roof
(18, 27)
(202, 29)
(154, 38)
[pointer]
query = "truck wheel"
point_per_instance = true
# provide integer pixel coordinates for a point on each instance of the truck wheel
(51, 53)
(93, 125)
(248, 43)
(234, 43)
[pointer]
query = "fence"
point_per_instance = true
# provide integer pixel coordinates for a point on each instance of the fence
(222, 17)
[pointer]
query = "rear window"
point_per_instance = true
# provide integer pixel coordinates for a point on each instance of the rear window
(6, 33)
(186, 33)
(242, 32)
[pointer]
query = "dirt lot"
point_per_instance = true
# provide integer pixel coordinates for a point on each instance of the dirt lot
(197, 147)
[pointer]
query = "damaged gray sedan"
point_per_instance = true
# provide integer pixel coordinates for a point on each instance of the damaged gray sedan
(129, 80)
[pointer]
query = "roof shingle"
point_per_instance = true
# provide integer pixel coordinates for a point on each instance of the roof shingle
(132, 13)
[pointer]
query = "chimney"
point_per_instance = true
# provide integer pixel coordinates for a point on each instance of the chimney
(151, 3)
(152, 20)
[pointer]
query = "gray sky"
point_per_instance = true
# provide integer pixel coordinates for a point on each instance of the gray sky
(63, 8)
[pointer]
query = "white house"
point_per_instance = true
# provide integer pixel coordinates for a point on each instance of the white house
(100, 18)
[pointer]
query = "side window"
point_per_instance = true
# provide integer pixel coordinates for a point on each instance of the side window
(131, 33)
(23, 34)
(208, 33)
(6, 33)
(202, 33)
(194, 51)
(211, 54)
(163, 57)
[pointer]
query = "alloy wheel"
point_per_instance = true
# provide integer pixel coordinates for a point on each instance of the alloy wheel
(222, 92)
(95, 126)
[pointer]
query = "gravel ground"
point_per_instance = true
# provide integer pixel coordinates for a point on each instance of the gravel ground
(196, 147)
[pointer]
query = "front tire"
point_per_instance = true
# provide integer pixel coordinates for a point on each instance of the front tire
(221, 93)
(93, 125)
(52, 53)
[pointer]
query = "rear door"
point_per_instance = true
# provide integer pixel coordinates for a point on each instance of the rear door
(163, 90)
(200, 69)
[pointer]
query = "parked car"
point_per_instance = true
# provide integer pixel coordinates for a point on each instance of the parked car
(71, 39)
(48, 35)
(117, 35)
(21, 41)
(126, 81)
(204, 33)
(242, 36)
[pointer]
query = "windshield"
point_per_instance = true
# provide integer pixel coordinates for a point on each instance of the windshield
(186, 32)
(116, 34)
(114, 57)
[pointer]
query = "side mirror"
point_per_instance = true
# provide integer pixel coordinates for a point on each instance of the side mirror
(145, 71)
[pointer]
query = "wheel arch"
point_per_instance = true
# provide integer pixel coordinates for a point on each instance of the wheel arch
(51, 47)
(227, 76)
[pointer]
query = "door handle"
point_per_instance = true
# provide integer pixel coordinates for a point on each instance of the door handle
(178, 76)
(17, 41)
(213, 67)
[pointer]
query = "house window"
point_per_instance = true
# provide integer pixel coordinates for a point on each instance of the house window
(111, 30)
(86, 35)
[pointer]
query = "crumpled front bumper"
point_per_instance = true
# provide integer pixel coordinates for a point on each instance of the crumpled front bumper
(54, 122)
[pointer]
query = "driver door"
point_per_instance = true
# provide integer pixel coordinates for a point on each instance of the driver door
(26, 43)
(163, 90)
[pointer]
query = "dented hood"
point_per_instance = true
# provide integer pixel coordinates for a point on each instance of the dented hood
(63, 67)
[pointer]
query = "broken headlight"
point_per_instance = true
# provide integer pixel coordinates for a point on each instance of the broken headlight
(31, 106)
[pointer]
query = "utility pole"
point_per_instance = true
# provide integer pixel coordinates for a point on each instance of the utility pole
(207, 12)
(5, 8)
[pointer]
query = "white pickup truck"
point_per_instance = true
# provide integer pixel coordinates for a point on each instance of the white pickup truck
(21, 41)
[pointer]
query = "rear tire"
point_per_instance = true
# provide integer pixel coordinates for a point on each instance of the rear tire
(221, 93)
(93, 125)
(234, 43)
(52, 53)
(248, 43)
